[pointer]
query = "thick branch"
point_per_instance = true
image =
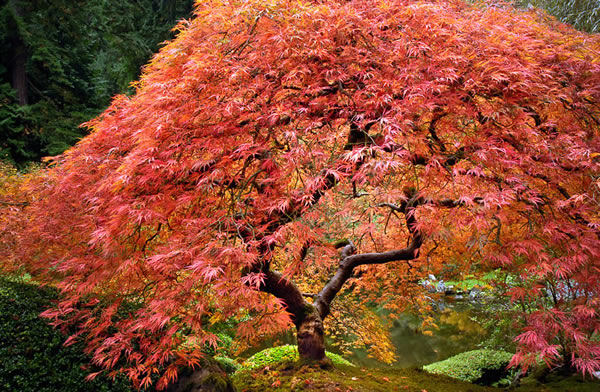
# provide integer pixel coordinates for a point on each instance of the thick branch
(348, 263)
(275, 284)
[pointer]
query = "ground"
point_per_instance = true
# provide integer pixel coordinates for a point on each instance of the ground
(287, 377)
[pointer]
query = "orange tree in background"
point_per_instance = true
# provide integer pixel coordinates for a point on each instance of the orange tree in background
(269, 133)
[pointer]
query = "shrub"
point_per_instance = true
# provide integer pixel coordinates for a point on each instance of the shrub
(275, 355)
(483, 367)
(223, 346)
(32, 355)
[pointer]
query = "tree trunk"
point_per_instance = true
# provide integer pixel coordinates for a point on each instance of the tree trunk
(18, 61)
(311, 342)
(19, 74)
(306, 317)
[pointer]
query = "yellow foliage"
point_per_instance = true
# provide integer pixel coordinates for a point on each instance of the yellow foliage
(353, 325)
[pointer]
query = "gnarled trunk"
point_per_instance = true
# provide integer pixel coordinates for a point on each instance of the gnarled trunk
(311, 342)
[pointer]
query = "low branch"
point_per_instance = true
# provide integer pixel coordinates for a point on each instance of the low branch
(14, 203)
(447, 203)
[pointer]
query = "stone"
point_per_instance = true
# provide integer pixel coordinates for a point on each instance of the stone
(209, 377)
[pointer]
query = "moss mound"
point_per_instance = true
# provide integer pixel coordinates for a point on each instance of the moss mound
(484, 367)
(287, 353)
(32, 355)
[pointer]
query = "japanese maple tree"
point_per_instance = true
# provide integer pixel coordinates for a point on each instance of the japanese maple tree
(278, 152)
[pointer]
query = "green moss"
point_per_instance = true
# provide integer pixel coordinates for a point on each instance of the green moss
(477, 366)
(346, 378)
(277, 355)
(229, 365)
(216, 382)
(308, 310)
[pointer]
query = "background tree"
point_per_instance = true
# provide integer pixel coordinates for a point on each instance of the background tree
(277, 153)
(62, 61)
(582, 14)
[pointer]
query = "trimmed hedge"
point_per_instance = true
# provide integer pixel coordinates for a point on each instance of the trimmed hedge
(32, 355)
(276, 355)
(484, 367)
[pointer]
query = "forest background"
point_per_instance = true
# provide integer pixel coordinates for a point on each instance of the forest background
(63, 60)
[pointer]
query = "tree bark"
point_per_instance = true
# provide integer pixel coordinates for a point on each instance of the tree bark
(19, 74)
(311, 341)
(18, 71)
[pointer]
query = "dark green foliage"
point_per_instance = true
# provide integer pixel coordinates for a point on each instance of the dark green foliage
(32, 355)
(223, 345)
(14, 142)
(62, 61)
(483, 367)
(582, 14)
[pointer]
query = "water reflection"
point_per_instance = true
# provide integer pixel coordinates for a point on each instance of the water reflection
(457, 333)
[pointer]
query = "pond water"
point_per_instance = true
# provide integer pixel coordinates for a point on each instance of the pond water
(457, 332)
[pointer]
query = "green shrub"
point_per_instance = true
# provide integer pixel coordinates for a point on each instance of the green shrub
(275, 355)
(484, 367)
(32, 355)
(223, 346)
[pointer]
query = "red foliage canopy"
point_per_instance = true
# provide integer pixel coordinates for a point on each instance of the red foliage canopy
(436, 131)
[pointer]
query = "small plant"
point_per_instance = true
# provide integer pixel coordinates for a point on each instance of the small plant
(484, 367)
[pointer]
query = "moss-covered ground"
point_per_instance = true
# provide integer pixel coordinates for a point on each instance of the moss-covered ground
(290, 377)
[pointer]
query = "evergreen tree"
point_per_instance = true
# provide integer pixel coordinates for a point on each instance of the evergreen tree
(62, 61)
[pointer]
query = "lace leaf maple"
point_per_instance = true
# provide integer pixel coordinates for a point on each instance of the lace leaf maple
(278, 152)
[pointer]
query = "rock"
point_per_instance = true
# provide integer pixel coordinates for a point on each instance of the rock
(209, 377)
(474, 293)
(441, 287)
(427, 284)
